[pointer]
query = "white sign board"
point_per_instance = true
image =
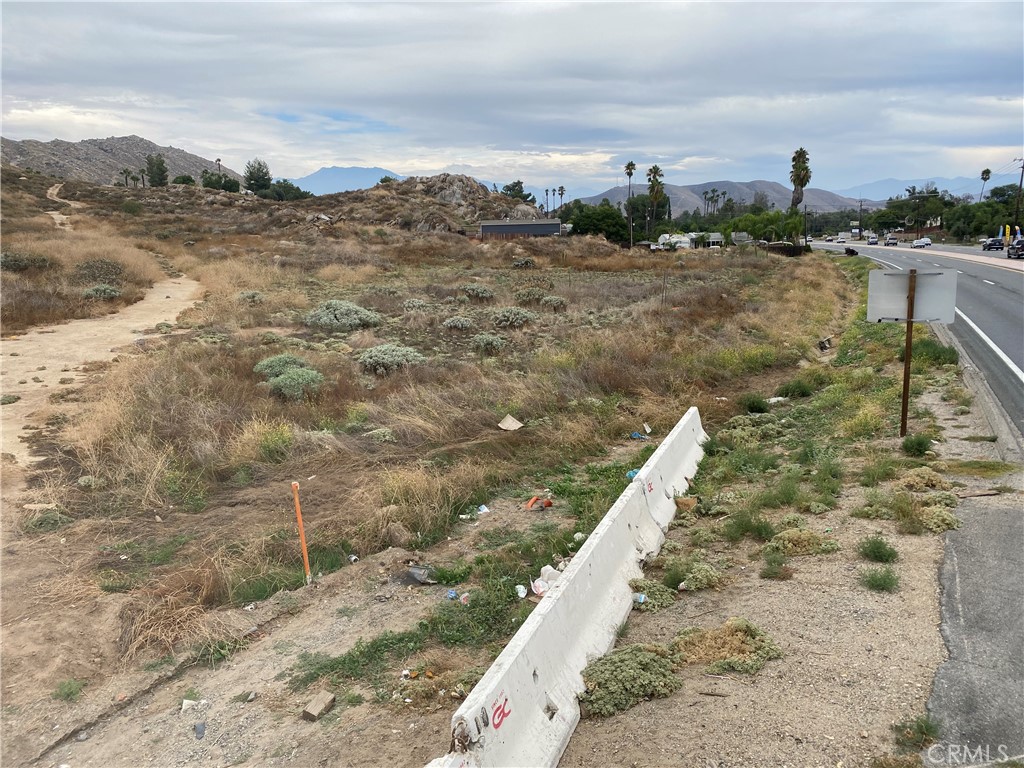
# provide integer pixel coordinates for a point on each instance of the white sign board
(934, 296)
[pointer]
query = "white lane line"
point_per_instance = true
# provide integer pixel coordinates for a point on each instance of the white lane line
(936, 265)
(959, 272)
(1002, 355)
(987, 281)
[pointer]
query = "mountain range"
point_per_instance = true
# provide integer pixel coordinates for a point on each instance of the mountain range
(100, 161)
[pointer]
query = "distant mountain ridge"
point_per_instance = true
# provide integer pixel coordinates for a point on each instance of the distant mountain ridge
(327, 181)
(690, 197)
(100, 161)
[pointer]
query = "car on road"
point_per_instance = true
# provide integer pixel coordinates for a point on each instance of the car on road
(840, 239)
(829, 239)
(1015, 250)
(926, 240)
(993, 244)
(872, 239)
(892, 240)
(920, 243)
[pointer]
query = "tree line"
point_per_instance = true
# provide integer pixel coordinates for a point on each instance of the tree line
(257, 179)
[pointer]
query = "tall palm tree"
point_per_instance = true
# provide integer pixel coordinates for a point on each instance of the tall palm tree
(126, 172)
(706, 194)
(800, 176)
(655, 189)
(135, 180)
(630, 167)
(985, 176)
(142, 175)
(217, 161)
(546, 200)
(561, 195)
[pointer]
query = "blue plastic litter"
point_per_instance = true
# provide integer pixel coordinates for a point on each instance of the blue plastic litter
(452, 594)
(632, 473)
(638, 436)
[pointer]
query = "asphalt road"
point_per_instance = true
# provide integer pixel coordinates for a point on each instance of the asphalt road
(990, 309)
(978, 693)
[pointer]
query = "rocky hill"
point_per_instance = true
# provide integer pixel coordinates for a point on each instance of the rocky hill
(688, 198)
(100, 160)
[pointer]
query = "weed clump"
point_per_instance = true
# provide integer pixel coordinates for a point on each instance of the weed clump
(916, 734)
(69, 690)
(458, 323)
(916, 445)
(339, 316)
(296, 384)
(658, 595)
(513, 317)
(278, 364)
(775, 567)
(487, 343)
(794, 542)
(877, 550)
(736, 646)
(101, 292)
(385, 359)
(753, 403)
(554, 303)
(925, 479)
(627, 676)
(688, 574)
(883, 579)
(478, 292)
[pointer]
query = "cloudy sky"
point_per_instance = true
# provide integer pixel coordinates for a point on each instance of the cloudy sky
(553, 93)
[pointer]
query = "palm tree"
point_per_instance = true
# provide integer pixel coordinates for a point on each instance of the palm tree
(800, 176)
(142, 175)
(217, 161)
(655, 189)
(126, 172)
(706, 194)
(561, 195)
(135, 180)
(630, 167)
(546, 199)
(714, 200)
(985, 176)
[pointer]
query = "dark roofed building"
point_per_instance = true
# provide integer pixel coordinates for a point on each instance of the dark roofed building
(510, 229)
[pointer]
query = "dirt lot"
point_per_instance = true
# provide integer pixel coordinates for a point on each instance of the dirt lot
(854, 662)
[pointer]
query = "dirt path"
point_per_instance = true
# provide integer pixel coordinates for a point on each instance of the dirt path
(61, 220)
(42, 361)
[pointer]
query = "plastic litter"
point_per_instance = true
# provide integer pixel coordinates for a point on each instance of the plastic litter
(510, 423)
(200, 729)
(639, 598)
(464, 598)
(632, 473)
(647, 429)
(353, 559)
(452, 595)
(482, 509)
(539, 587)
(423, 574)
(549, 574)
(638, 436)
(520, 591)
(579, 536)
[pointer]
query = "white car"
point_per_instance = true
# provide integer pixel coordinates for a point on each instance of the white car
(840, 239)
(926, 240)
(922, 243)
(872, 239)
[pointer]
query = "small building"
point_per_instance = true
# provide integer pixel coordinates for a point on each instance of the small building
(511, 229)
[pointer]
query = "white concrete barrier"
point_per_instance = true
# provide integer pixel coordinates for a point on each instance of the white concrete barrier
(525, 708)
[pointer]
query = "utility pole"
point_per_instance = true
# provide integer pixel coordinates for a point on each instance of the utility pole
(860, 220)
(1020, 186)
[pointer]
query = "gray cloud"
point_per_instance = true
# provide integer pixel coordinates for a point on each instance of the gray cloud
(551, 93)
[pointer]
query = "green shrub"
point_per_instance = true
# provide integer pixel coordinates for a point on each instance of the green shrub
(69, 690)
(554, 303)
(752, 403)
(457, 323)
(796, 388)
(184, 179)
(625, 677)
(251, 298)
(658, 596)
(531, 295)
(877, 550)
(337, 316)
(487, 343)
(478, 292)
(916, 445)
(775, 567)
(21, 262)
(296, 383)
(385, 359)
(276, 443)
(916, 734)
(513, 317)
(102, 292)
(883, 579)
(96, 271)
(930, 351)
(414, 305)
(131, 207)
(272, 367)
